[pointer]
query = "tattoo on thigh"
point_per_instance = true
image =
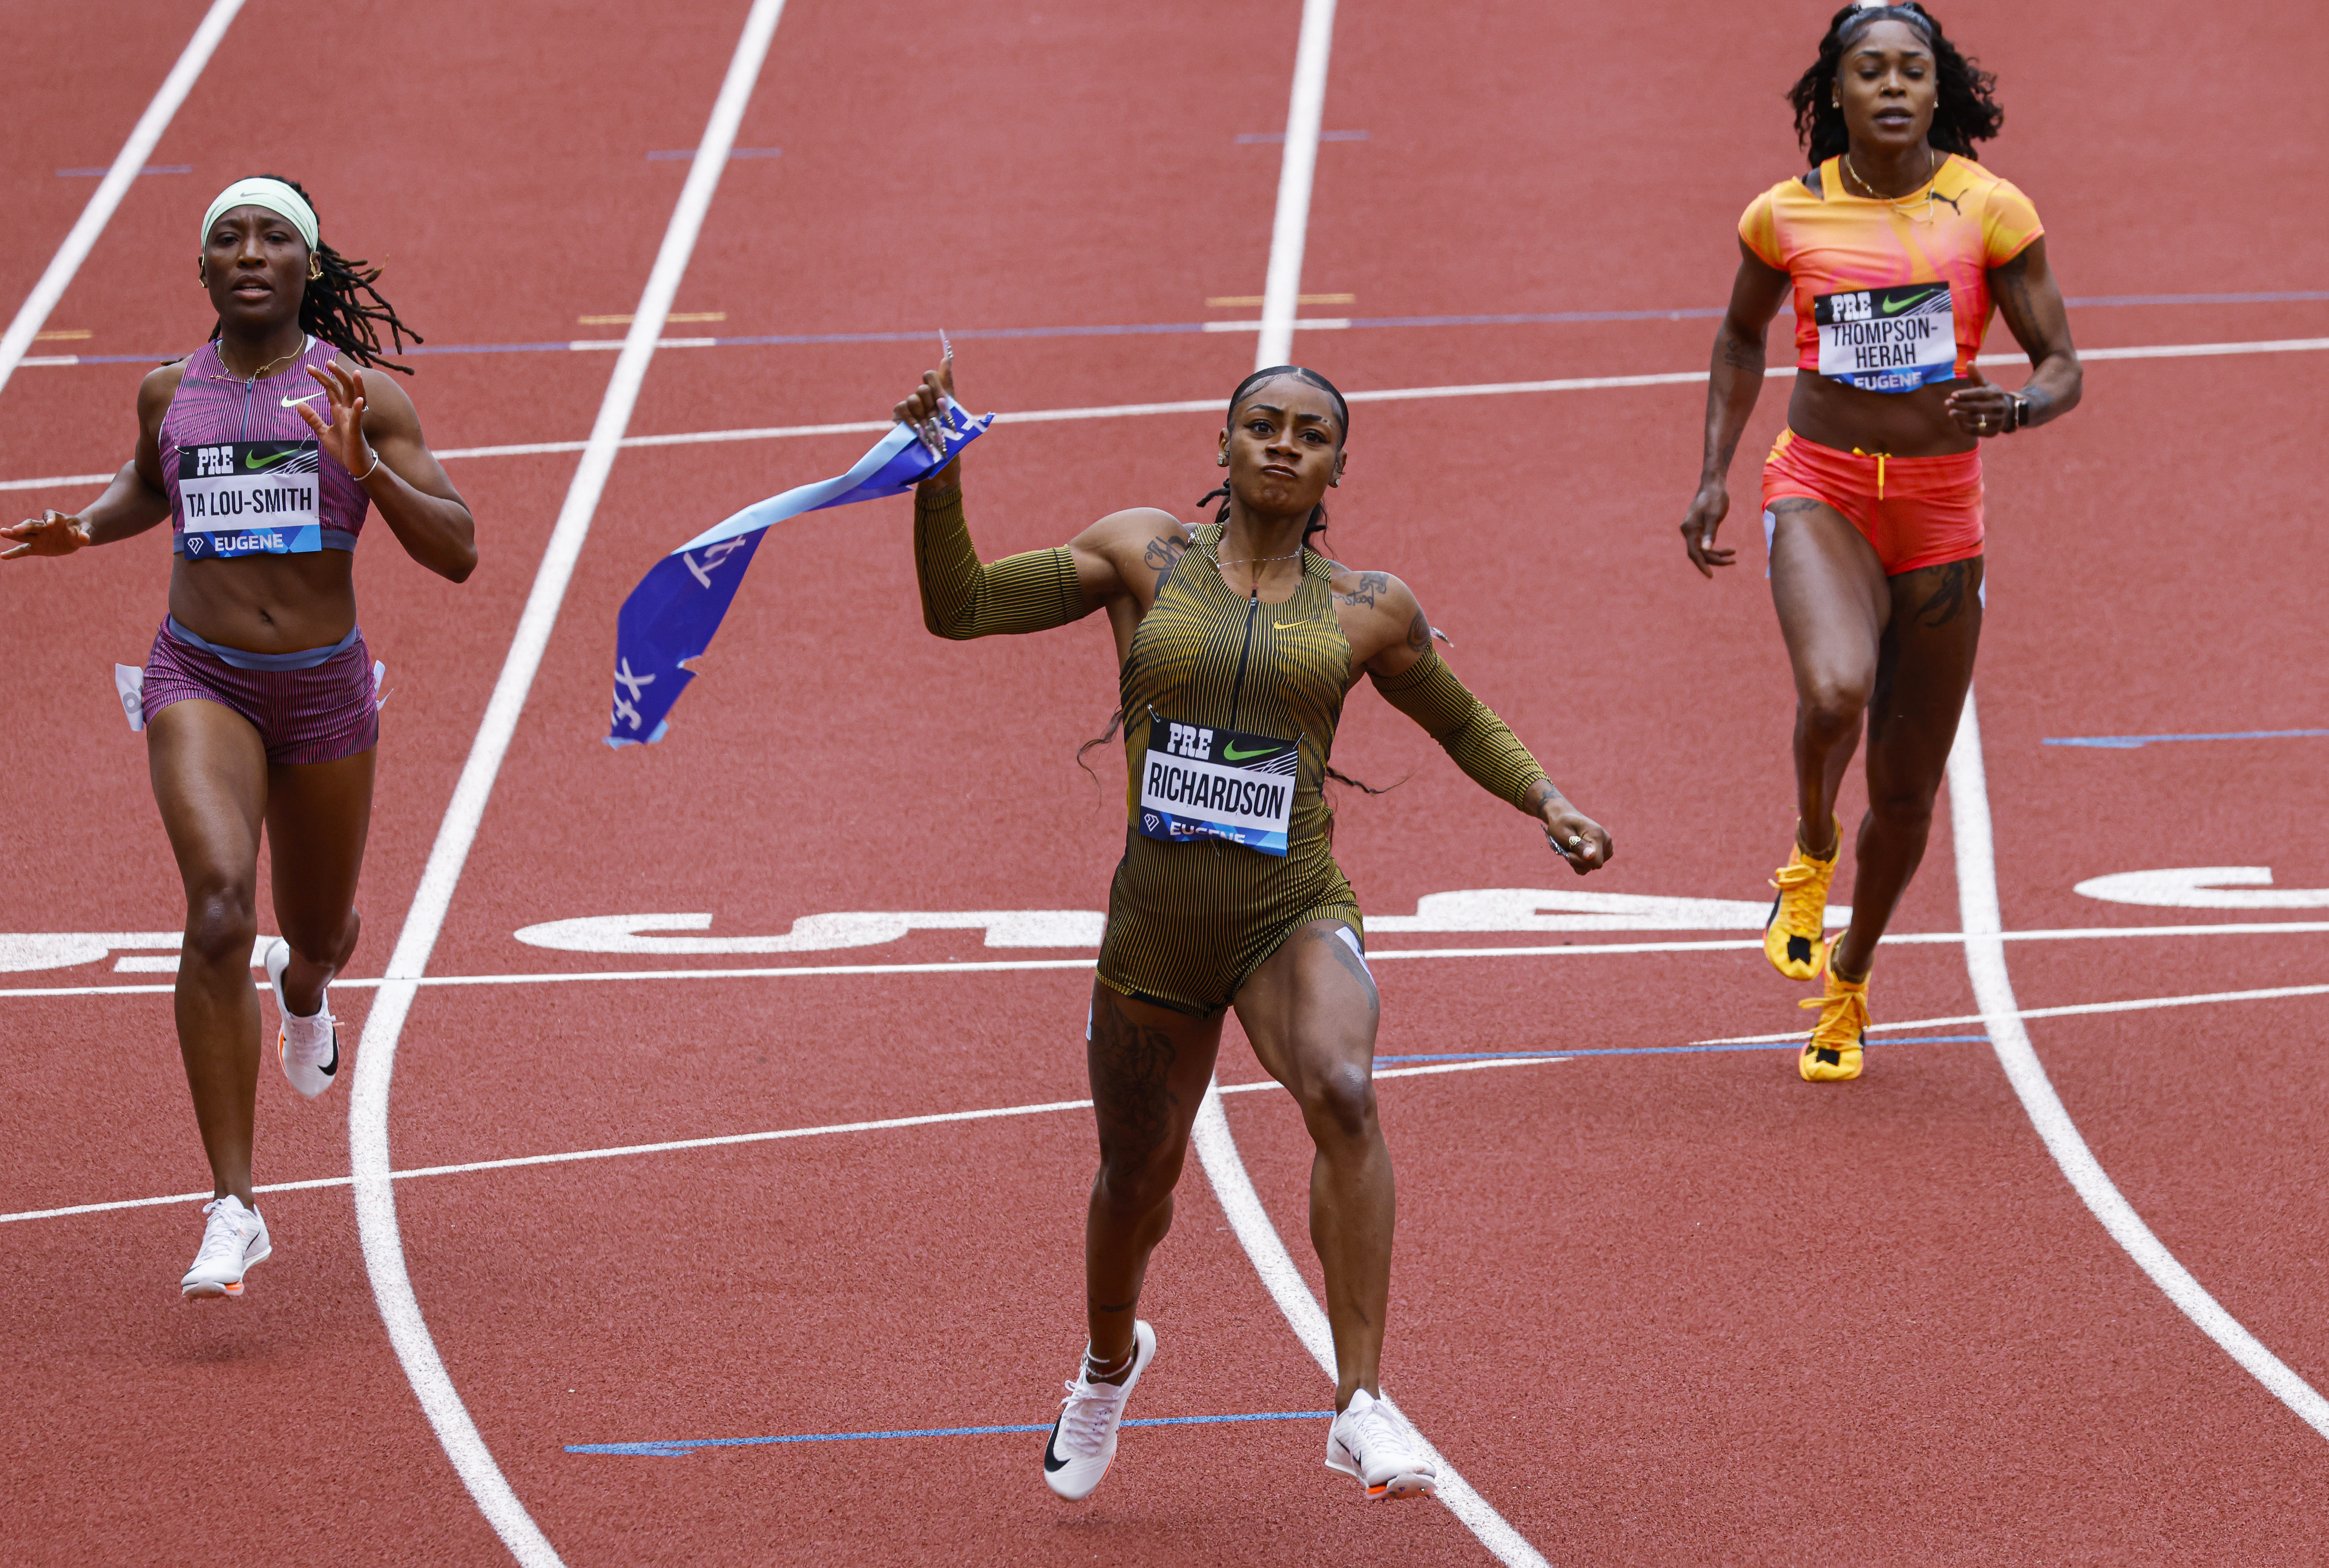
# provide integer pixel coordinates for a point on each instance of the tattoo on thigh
(1787, 505)
(1131, 1079)
(1948, 598)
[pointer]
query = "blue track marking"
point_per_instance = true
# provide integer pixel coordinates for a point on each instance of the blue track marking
(2131, 742)
(687, 155)
(1250, 138)
(1678, 1050)
(1170, 329)
(680, 1447)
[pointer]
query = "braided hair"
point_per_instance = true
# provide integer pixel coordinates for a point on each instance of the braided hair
(335, 307)
(1317, 522)
(1963, 111)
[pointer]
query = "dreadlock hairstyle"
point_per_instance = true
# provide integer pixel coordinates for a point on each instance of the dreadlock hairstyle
(1317, 522)
(335, 307)
(1965, 112)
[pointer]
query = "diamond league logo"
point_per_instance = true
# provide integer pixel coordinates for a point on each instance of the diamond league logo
(193, 544)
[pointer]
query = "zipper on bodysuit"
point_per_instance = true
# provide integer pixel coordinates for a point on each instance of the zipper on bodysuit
(1237, 692)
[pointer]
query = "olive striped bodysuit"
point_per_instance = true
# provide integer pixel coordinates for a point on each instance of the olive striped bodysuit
(1188, 922)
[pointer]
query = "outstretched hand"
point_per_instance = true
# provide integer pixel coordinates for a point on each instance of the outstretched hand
(923, 410)
(343, 436)
(50, 534)
(1707, 510)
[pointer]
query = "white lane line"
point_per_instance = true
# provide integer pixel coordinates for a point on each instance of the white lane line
(2082, 1010)
(33, 314)
(1993, 987)
(1210, 405)
(1290, 229)
(1217, 1150)
(383, 1246)
(723, 1141)
(1579, 949)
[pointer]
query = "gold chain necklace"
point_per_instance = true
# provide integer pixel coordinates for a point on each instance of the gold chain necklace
(253, 377)
(1932, 171)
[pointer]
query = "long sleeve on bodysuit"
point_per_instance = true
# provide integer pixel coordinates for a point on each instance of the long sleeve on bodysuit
(964, 597)
(1428, 693)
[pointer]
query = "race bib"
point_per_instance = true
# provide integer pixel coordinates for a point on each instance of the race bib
(1887, 340)
(1203, 783)
(251, 498)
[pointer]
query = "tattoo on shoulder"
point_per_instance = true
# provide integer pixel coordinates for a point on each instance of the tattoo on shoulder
(1419, 633)
(1161, 555)
(1371, 584)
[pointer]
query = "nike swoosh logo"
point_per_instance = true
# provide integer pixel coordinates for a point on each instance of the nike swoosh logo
(252, 461)
(295, 402)
(332, 1068)
(1052, 1461)
(1895, 307)
(1290, 625)
(1234, 755)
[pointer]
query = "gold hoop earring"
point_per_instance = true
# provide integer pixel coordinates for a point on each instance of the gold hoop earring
(314, 270)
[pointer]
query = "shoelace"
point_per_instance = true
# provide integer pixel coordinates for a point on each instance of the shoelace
(1087, 1410)
(315, 1055)
(1793, 912)
(1845, 1024)
(220, 1235)
(1369, 1432)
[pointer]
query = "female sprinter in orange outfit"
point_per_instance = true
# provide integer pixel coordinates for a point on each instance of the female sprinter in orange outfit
(1895, 246)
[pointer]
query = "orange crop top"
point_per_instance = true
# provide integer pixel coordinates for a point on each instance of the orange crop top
(1890, 296)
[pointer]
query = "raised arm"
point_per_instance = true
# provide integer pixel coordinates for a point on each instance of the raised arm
(135, 500)
(2031, 303)
(1391, 638)
(1734, 380)
(1118, 563)
(374, 432)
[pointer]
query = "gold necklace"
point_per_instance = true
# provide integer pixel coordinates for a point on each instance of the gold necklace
(1932, 170)
(253, 377)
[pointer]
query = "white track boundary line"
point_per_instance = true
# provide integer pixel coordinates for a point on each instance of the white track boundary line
(725, 1140)
(1210, 405)
(1579, 949)
(1993, 987)
(33, 314)
(1217, 1152)
(2082, 1009)
(1216, 1149)
(376, 1224)
(1289, 231)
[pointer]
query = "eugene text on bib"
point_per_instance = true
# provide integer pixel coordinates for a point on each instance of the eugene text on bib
(1205, 783)
(251, 498)
(1887, 340)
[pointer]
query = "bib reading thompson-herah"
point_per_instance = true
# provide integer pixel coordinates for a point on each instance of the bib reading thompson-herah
(252, 498)
(1206, 783)
(1887, 340)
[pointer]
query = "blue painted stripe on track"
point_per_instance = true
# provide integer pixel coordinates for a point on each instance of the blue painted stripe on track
(2131, 742)
(1678, 1050)
(680, 1447)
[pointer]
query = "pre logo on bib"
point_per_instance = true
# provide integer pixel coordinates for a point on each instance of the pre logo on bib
(1201, 783)
(251, 498)
(1887, 340)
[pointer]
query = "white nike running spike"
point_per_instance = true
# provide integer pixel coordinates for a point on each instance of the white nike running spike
(1368, 1442)
(308, 1048)
(234, 1241)
(1083, 1439)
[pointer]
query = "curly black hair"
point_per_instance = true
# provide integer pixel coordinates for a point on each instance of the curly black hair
(1965, 113)
(335, 307)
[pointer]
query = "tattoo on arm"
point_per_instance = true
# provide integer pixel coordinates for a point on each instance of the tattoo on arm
(1131, 1067)
(1539, 795)
(1371, 583)
(1741, 354)
(1419, 633)
(1947, 601)
(1160, 556)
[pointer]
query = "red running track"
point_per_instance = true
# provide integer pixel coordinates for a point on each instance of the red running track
(1657, 1307)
